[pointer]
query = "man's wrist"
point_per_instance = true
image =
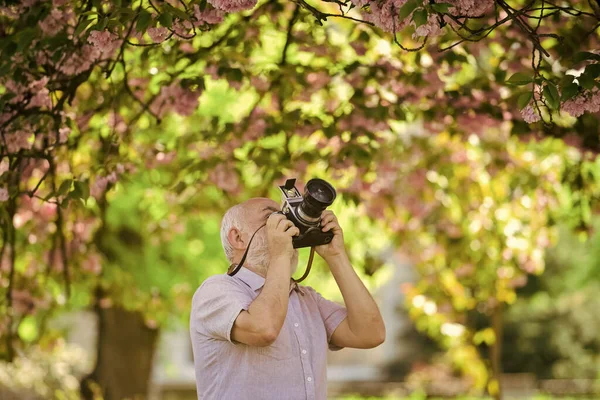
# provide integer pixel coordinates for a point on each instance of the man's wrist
(280, 263)
(337, 259)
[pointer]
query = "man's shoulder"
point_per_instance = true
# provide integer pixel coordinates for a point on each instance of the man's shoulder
(216, 285)
(308, 290)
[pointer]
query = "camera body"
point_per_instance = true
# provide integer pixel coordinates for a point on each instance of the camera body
(305, 211)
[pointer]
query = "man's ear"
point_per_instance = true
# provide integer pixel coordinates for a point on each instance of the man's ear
(235, 239)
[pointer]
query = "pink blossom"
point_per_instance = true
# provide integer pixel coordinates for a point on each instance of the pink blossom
(17, 89)
(41, 94)
(259, 83)
(182, 28)
(182, 101)
(471, 8)
(165, 158)
(104, 41)
(384, 14)
(209, 16)
(116, 122)
(317, 80)
(98, 187)
(225, 178)
(588, 101)
(233, 5)
(13, 11)
(3, 194)
(359, 47)
(530, 115)
(63, 134)
(112, 177)
(22, 302)
(76, 63)
(4, 165)
(92, 264)
(187, 47)
(431, 28)
(53, 23)
(213, 71)
(18, 140)
(256, 127)
(159, 34)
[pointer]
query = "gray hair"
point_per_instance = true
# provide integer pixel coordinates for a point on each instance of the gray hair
(233, 218)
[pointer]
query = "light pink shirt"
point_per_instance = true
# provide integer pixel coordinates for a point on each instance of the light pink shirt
(292, 368)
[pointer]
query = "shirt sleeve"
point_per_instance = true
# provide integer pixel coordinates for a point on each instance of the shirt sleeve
(215, 307)
(332, 314)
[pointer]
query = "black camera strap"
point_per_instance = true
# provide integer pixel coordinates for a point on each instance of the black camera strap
(234, 269)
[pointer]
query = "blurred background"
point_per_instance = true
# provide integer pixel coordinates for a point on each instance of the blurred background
(462, 142)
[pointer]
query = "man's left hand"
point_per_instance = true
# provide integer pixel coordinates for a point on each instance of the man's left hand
(336, 247)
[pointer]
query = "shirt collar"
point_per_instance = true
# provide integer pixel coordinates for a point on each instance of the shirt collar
(256, 282)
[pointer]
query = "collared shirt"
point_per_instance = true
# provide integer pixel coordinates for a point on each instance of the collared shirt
(292, 368)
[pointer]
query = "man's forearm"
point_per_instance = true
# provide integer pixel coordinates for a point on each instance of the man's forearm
(270, 306)
(364, 317)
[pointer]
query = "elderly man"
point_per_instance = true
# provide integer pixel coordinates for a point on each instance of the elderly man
(258, 335)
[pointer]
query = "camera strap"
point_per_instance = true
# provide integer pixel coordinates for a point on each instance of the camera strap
(234, 269)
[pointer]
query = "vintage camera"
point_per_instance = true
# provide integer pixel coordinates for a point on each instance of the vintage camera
(305, 211)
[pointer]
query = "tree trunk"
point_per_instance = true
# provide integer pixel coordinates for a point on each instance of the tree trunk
(125, 353)
(496, 349)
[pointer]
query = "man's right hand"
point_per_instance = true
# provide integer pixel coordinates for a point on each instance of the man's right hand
(280, 231)
(261, 324)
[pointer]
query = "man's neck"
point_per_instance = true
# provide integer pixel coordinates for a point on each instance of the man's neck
(257, 270)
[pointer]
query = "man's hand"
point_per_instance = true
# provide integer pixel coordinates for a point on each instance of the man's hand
(335, 248)
(280, 231)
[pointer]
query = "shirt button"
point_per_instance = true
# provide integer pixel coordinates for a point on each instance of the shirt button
(309, 379)
(296, 325)
(303, 351)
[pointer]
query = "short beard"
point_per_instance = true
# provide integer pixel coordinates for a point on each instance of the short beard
(259, 256)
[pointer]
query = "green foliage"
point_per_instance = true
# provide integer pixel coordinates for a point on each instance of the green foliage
(552, 329)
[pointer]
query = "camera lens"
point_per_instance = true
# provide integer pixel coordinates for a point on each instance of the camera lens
(318, 195)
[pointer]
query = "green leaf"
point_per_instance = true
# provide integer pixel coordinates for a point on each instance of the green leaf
(166, 20)
(442, 7)
(566, 80)
(407, 9)
(176, 12)
(82, 190)
(127, 11)
(102, 24)
(524, 99)
(25, 37)
(143, 21)
(81, 27)
(420, 17)
(587, 80)
(551, 95)
(585, 55)
(569, 91)
(64, 204)
(64, 187)
(593, 70)
(519, 79)
(28, 330)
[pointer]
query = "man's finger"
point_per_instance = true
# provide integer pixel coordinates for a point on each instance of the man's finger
(274, 219)
(284, 224)
(332, 225)
(293, 231)
(326, 219)
(327, 212)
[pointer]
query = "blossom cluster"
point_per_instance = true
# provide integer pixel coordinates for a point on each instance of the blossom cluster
(183, 101)
(233, 5)
(384, 14)
(588, 101)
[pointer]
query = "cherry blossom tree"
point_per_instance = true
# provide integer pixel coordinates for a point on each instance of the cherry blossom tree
(200, 104)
